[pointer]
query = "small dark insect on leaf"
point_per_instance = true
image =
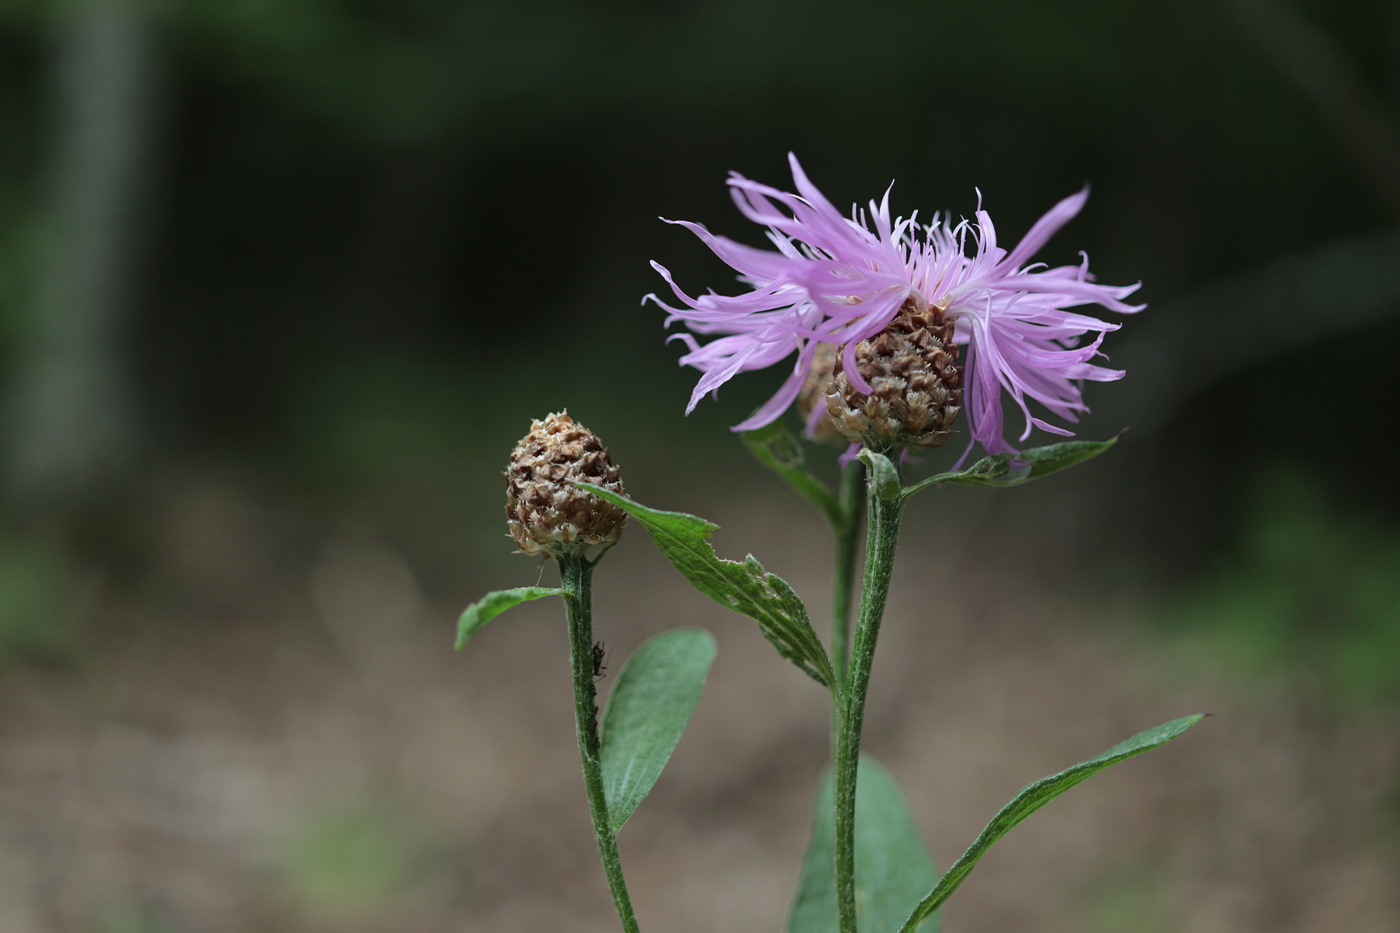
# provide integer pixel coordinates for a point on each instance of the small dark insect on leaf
(598, 655)
(593, 726)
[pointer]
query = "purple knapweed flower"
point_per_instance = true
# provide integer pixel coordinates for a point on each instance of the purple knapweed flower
(840, 280)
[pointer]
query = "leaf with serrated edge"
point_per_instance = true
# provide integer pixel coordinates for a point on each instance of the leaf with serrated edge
(1006, 470)
(775, 447)
(493, 604)
(893, 867)
(649, 708)
(745, 588)
(1032, 798)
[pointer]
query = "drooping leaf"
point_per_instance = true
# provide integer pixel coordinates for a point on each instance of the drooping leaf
(745, 588)
(775, 447)
(649, 708)
(883, 475)
(893, 867)
(1016, 469)
(493, 604)
(1032, 798)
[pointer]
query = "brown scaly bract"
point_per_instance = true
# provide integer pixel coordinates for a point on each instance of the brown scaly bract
(912, 365)
(813, 395)
(546, 513)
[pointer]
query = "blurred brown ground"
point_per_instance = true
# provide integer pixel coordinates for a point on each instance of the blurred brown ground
(283, 740)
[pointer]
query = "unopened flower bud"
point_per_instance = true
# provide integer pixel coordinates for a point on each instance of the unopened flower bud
(912, 368)
(547, 513)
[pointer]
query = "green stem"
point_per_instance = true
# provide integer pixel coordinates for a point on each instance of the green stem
(881, 539)
(577, 575)
(851, 500)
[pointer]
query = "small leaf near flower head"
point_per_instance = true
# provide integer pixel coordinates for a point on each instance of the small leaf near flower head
(883, 475)
(775, 447)
(493, 604)
(1005, 470)
(745, 588)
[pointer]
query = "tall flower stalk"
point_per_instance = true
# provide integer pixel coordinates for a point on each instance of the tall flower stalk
(882, 537)
(576, 580)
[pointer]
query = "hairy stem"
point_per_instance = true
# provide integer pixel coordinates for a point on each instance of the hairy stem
(882, 537)
(577, 575)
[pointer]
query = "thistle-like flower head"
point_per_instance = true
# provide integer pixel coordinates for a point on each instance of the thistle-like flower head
(833, 279)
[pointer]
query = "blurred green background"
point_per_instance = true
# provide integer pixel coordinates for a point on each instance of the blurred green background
(282, 283)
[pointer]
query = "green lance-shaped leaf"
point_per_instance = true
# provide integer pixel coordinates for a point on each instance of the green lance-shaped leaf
(1005, 470)
(893, 867)
(648, 710)
(1031, 799)
(745, 588)
(775, 447)
(493, 604)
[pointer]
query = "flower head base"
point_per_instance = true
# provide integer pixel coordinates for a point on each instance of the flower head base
(546, 512)
(838, 280)
(916, 386)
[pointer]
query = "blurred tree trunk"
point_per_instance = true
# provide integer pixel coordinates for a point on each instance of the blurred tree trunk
(73, 422)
